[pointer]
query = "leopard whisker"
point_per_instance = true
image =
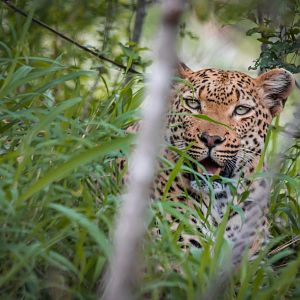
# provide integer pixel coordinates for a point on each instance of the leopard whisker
(247, 150)
(248, 161)
(251, 154)
(231, 164)
(245, 156)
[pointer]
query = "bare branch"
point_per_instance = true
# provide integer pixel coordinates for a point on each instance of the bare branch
(139, 20)
(260, 18)
(130, 227)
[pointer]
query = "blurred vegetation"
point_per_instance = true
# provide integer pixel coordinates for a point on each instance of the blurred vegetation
(62, 120)
(275, 23)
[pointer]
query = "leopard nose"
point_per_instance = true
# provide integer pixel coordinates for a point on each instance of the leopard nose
(210, 140)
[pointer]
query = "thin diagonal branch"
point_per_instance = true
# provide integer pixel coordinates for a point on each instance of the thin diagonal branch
(68, 39)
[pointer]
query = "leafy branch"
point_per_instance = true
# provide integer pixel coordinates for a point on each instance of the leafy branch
(280, 40)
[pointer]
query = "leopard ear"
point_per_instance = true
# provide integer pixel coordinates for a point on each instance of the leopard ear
(275, 85)
(183, 70)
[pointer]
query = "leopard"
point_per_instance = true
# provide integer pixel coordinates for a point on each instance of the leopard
(220, 120)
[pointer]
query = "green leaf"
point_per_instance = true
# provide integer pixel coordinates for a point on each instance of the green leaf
(205, 117)
(172, 177)
(91, 228)
(252, 31)
(61, 262)
(74, 162)
(239, 210)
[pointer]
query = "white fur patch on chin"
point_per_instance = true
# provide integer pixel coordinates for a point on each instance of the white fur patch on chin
(200, 186)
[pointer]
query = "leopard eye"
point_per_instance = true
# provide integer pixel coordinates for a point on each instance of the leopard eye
(192, 103)
(241, 110)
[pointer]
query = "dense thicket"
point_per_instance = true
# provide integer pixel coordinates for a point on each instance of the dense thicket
(63, 113)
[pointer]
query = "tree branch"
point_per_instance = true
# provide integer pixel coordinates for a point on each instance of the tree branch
(66, 38)
(139, 20)
(260, 17)
(130, 222)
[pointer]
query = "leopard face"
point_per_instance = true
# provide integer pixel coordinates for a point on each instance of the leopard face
(240, 109)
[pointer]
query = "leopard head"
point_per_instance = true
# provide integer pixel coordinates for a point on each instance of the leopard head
(222, 117)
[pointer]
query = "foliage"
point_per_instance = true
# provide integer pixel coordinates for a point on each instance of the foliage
(62, 129)
(48, 161)
(279, 37)
(277, 33)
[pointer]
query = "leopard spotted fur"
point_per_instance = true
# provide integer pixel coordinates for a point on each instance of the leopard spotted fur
(240, 109)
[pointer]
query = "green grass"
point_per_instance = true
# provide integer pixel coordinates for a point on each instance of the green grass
(60, 187)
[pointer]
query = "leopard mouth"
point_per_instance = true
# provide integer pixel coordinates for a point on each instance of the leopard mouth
(211, 167)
